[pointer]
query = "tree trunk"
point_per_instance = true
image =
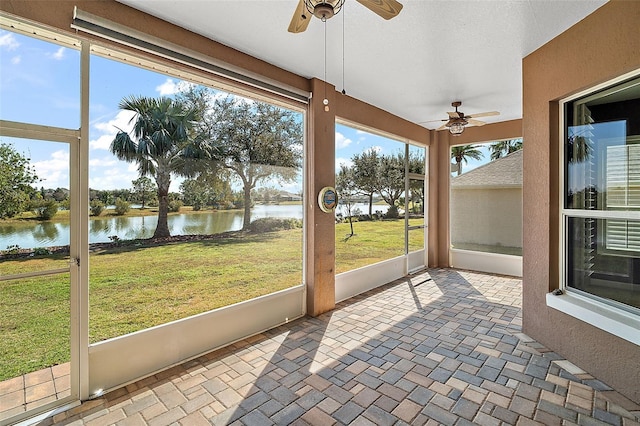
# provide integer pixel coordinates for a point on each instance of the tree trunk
(350, 220)
(162, 229)
(371, 205)
(247, 208)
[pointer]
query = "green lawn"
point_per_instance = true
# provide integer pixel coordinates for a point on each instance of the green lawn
(136, 287)
(373, 241)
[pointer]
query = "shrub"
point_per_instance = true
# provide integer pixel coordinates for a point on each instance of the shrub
(270, 224)
(392, 213)
(175, 205)
(12, 249)
(96, 207)
(45, 209)
(41, 251)
(122, 206)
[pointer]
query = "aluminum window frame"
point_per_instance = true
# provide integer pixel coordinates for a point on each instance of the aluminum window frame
(611, 316)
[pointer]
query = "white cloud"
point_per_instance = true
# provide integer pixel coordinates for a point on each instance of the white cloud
(16, 60)
(103, 162)
(103, 142)
(111, 128)
(171, 87)
(55, 171)
(342, 141)
(58, 55)
(111, 179)
(8, 41)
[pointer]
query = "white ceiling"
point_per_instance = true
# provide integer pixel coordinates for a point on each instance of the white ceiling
(414, 66)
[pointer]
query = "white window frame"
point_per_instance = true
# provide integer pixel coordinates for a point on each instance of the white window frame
(604, 314)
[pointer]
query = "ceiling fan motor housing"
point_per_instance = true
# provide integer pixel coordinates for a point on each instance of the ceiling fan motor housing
(323, 9)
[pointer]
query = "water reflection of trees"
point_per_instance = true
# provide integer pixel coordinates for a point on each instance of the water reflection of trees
(213, 223)
(98, 226)
(45, 232)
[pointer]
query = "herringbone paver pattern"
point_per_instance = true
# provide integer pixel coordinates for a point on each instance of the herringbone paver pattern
(441, 347)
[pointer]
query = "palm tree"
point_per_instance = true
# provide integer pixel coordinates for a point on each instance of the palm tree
(503, 148)
(463, 153)
(163, 143)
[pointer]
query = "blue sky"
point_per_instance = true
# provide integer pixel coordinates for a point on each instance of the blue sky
(40, 83)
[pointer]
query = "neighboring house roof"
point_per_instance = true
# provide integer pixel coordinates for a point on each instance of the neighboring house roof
(505, 172)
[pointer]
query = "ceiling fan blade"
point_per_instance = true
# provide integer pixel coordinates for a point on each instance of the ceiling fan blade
(483, 114)
(474, 122)
(300, 19)
(384, 8)
(431, 121)
(454, 114)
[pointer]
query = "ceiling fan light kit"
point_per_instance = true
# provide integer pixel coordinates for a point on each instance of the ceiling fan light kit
(456, 129)
(458, 120)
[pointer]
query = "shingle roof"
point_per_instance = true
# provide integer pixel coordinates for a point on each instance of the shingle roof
(501, 173)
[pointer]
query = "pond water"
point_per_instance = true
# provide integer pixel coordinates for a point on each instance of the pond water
(48, 234)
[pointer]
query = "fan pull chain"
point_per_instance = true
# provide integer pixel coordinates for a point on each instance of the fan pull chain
(344, 92)
(325, 101)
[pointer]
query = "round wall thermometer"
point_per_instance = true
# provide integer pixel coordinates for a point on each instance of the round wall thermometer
(327, 199)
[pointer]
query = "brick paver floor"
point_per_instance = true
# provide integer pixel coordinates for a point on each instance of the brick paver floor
(441, 347)
(34, 390)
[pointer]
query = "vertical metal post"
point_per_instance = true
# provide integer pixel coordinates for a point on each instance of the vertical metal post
(407, 187)
(80, 223)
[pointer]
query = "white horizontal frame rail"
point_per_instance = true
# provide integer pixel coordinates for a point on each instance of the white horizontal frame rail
(357, 281)
(14, 129)
(603, 214)
(122, 360)
(34, 274)
(493, 263)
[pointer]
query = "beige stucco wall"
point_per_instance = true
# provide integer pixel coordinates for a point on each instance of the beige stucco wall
(488, 216)
(604, 45)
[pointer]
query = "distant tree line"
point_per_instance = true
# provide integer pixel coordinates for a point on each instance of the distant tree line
(377, 176)
(18, 194)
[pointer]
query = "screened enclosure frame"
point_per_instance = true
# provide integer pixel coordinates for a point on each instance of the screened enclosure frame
(84, 371)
